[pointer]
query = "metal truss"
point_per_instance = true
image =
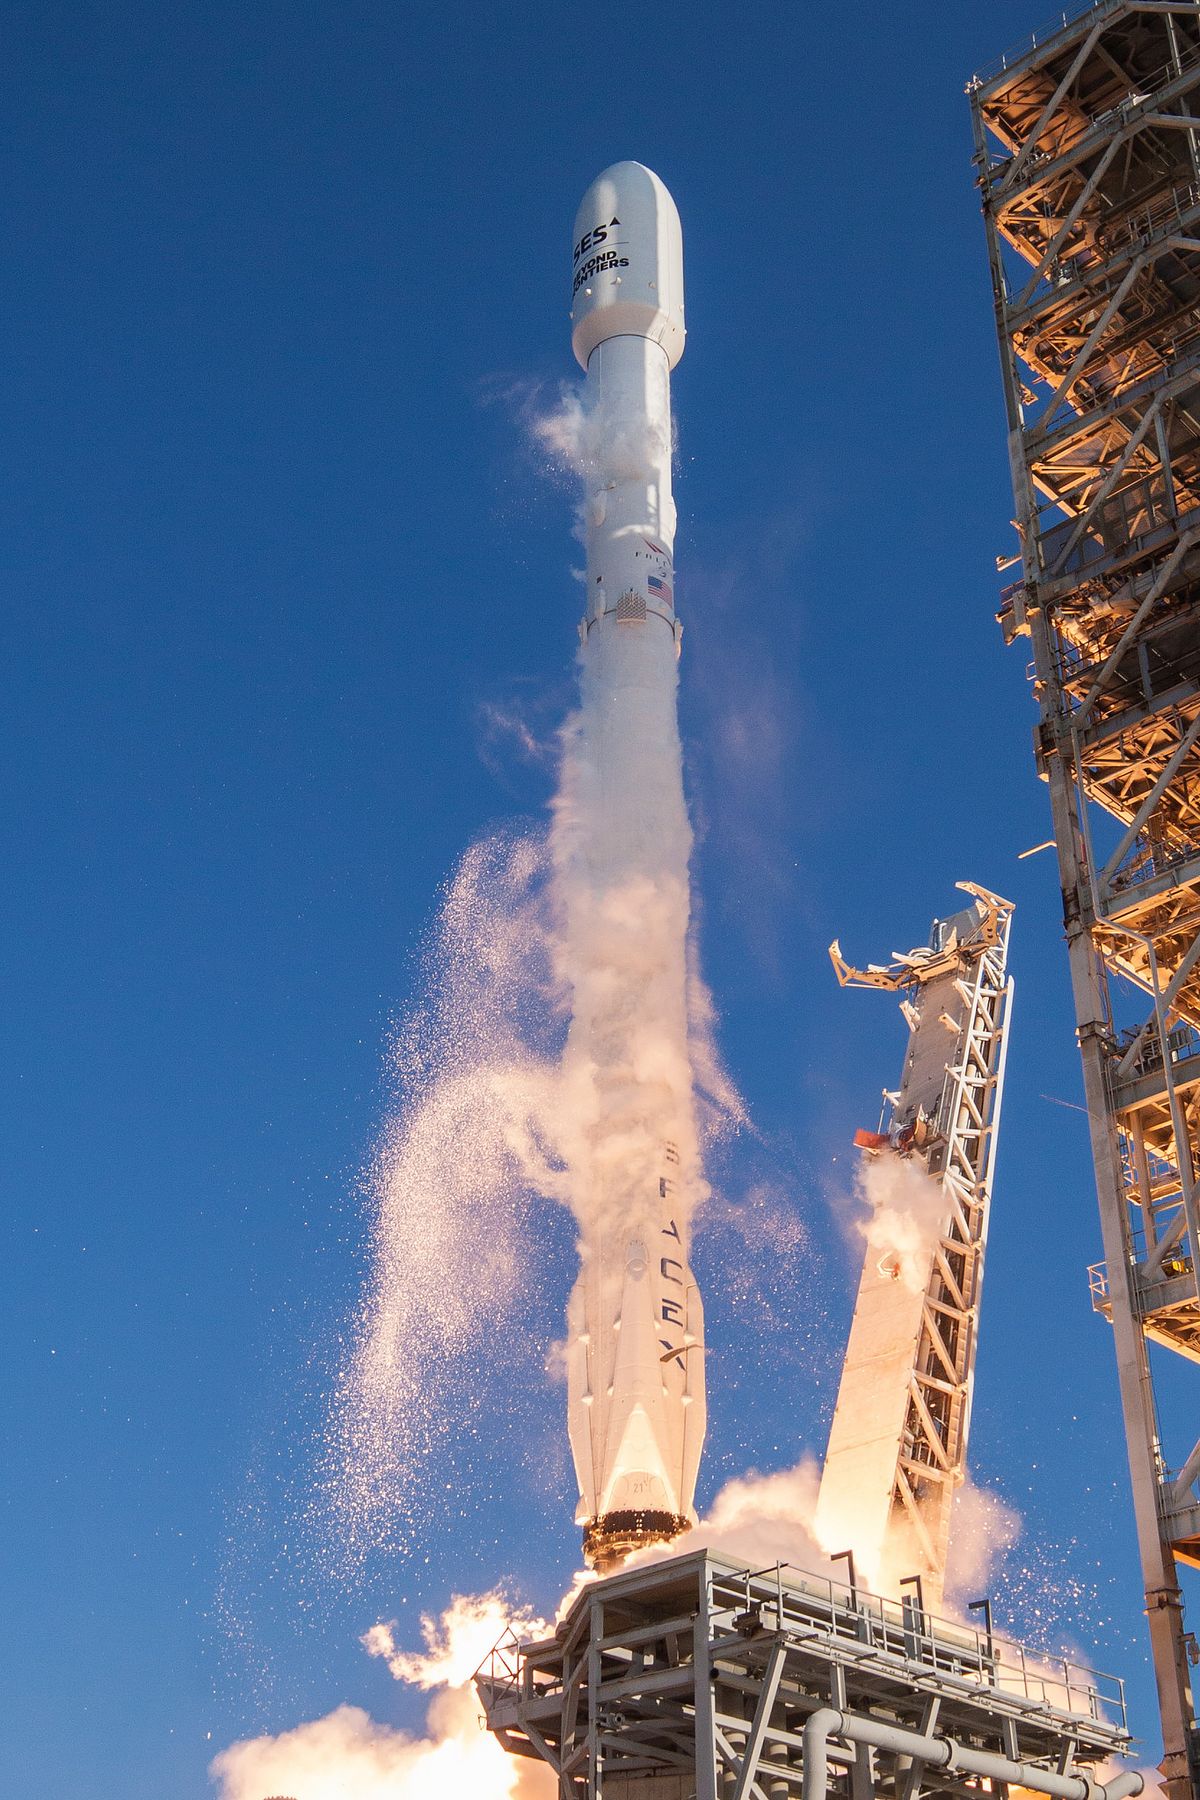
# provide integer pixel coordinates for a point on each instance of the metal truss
(700, 1679)
(946, 1113)
(1088, 155)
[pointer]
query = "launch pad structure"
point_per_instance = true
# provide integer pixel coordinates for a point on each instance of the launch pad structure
(700, 1679)
(1087, 148)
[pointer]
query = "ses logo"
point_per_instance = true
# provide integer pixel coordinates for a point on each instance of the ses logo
(598, 260)
(597, 235)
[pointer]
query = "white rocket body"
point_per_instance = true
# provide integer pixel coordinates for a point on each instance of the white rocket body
(635, 1350)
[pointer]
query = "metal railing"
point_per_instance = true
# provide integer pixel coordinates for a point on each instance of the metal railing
(901, 1633)
(504, 1672)
(1045, 34)
(1176, 1264)
(1144, 221)
(1098, 1288)
(1147, 86)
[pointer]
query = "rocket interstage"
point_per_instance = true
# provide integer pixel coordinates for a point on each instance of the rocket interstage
(635, 1349)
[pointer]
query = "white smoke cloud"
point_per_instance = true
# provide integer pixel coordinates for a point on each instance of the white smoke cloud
(349, 1756)
(907, 1209)
(642, 1038)
(579, 439)
(983, 1529)
(762, 1519)
(1152, 1781)
(492, 1111)
(456, 1642)
(768, 1519)
(771, 1518)
(510, 727)
(567, 432)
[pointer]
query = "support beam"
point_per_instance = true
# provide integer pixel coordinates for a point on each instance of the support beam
(762, 1714)
(1140, 317)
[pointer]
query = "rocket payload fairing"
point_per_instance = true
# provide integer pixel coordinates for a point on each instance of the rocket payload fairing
(635, 1351)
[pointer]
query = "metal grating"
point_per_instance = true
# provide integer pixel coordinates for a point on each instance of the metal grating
(1088, 157)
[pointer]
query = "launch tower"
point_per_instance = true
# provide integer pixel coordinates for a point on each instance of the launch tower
(898, 1443)
(1087, 148)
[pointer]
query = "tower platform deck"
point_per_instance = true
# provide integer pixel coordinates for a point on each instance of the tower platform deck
(697, 1676)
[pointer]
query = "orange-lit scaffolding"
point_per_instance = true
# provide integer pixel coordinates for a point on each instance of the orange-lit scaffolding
(1088, 156)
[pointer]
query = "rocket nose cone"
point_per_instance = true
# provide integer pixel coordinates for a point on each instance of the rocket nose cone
(627, 263)
(627, 174)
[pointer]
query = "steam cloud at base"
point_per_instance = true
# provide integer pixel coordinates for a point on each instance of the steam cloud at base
(347, 1755)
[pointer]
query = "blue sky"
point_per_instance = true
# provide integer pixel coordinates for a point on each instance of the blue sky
(280, 281)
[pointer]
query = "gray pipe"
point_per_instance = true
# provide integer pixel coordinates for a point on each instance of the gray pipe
(944, 1753)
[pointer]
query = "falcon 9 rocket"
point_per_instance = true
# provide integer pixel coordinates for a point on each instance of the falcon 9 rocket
(634, 1351)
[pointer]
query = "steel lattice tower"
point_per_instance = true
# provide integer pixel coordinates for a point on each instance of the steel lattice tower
(898, 1443)
(1088, 154)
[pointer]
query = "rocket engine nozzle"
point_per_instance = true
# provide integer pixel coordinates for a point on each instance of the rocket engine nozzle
(607, 1541)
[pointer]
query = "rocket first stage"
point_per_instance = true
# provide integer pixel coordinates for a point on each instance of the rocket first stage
(635, 1351)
